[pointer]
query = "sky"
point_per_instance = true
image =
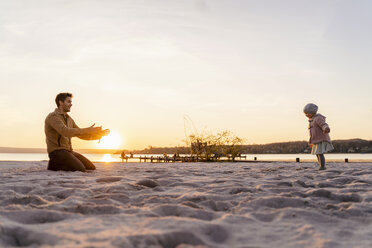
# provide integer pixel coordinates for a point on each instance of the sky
(145, 68)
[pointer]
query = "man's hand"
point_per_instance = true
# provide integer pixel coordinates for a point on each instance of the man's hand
(98, 132)
(105, 132)
(94, 129)
(95, 133)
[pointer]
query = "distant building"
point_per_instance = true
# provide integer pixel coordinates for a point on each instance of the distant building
(366, 149)
(351, 150)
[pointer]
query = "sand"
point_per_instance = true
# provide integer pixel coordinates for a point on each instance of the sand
(187, 205)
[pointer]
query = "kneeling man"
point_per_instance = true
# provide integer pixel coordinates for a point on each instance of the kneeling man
(59, 129)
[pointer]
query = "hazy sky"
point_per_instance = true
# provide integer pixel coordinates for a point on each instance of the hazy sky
(138, 67)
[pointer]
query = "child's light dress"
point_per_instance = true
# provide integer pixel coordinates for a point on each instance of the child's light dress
(322, 147)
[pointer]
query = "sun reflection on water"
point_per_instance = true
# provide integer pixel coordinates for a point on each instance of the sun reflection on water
(107, 158)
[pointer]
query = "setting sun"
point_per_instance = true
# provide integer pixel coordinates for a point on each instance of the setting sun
(111, 141)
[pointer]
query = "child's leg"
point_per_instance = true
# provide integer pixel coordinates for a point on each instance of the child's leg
(321, 161)
(318, 158)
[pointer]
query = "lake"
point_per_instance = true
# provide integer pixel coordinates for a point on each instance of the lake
(332, 157)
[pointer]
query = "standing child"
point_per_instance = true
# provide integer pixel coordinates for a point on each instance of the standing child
(319, 137)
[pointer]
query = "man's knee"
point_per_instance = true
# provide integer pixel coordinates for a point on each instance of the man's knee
(85, 161)
(64, 160)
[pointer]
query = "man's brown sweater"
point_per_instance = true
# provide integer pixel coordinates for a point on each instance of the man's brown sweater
(60, 128)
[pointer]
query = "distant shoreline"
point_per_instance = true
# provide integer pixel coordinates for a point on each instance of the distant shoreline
(290, 147)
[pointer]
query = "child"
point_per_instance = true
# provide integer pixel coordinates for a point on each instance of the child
(319, 137)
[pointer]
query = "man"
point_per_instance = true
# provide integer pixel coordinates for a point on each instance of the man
(59, 129)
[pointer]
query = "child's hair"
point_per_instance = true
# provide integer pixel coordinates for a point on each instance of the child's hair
(310, 108)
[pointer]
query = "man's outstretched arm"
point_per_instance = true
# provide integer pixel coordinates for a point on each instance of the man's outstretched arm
(98, 134)
(59, 125)
(94, 136)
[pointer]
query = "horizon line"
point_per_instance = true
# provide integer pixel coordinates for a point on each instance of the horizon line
(115, 149)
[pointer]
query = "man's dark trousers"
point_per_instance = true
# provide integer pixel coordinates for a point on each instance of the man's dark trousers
(69, 161)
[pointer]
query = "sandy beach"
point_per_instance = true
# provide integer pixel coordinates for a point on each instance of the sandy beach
(187, 205)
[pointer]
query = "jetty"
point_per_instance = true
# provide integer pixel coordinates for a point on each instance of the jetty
(182, 159)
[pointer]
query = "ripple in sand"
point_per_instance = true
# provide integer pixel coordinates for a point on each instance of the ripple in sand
(349, 197)
(216, 233)
(193, 197)
(265, 217)
(288, 184)
(148, 183)
(343, 180)
(240, 190)
(183, 211)
(319, 193)
(17, 236)
(108, 179)
(24, 200)
(35, 216)
(20, 189)
(279, 202)
(217, 205)
(303, 184)
(93, 209)
(166, 240)
(63, 194)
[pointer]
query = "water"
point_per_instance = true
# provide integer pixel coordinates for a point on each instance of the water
(332, 157)
(353, 157)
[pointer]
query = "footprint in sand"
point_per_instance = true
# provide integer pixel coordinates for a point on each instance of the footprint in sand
(148, 183)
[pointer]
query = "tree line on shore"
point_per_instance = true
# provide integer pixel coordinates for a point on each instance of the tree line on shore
(294, 147)
(225, 143)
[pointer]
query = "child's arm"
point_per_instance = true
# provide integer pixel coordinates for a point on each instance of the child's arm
(322, 124)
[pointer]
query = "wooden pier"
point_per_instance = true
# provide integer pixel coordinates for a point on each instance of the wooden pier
(181, 159)
(193, 158)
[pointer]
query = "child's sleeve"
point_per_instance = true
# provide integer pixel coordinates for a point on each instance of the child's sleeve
(321, 122)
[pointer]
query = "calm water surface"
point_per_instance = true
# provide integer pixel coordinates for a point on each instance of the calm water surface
(353, 157)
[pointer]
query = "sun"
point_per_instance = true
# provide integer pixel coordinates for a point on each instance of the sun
(111, 141)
